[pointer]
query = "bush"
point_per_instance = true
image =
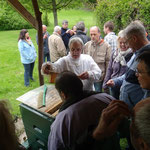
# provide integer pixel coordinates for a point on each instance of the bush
(122, 12)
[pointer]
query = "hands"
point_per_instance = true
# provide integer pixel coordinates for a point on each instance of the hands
(45, 36)
(110, 83)
(84, 75)
(46, 68)
(110, 119)
(71, 32)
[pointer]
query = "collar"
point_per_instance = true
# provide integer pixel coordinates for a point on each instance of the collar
(98, 43)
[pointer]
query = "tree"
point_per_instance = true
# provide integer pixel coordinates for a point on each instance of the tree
(54, 6)
(122, 12)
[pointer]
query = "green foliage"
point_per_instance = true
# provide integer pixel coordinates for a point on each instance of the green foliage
(122, 12)
(10, 19)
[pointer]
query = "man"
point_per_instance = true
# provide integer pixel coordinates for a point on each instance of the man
(130, 91)
(45, 43)
(140, 124)
(81, 32)
(56, 45)
(79, 113)
(66, 33)
(143, 72)
(110, 37)
(100, 52)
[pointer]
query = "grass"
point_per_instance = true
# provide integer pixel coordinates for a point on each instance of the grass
(11, 68)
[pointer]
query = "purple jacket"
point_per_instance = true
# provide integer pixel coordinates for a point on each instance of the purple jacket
(115, 69)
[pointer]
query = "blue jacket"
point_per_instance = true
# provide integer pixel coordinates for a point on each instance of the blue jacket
(27, 52)
(130, 91)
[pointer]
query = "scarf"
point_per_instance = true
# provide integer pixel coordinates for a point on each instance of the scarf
(120, 56)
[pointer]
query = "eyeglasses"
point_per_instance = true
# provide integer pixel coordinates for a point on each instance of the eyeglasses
(137, 72)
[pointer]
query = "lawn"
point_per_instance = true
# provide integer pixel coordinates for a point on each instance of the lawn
(11, 69)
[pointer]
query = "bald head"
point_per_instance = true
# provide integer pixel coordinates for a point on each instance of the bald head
(95, 34)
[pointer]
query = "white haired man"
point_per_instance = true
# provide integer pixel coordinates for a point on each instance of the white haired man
(130, 91)
(56, 45)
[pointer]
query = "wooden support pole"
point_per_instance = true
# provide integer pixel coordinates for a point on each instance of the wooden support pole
(40, 39)
(24, 13)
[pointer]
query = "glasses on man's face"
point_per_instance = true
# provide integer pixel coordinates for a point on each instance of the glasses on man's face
(137, 72)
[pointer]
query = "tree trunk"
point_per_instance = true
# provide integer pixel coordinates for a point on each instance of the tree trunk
(55, 12)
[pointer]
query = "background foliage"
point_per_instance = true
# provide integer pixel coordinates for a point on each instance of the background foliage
(122, 12)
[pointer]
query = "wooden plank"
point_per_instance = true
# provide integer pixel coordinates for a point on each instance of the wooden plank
(24, 13)
(40, 39)
(31, 98)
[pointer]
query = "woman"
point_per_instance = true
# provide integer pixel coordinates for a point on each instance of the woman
(81, 64)
(28, 55)
(118, 64)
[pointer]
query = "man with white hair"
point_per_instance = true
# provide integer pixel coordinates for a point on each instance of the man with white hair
(56, 45)
(130, 91)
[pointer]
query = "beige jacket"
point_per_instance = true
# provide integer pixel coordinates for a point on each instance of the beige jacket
(101, 53)
(56, 47)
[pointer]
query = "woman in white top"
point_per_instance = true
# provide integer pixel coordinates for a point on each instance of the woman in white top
(81, 64)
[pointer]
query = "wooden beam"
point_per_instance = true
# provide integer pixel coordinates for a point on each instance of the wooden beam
(24, 13)
(40, 39)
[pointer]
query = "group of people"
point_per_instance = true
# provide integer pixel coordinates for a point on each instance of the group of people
(116, 65)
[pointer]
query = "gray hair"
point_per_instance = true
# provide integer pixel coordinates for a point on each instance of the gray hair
(65, 22)
(80, 26)
(135, 28)
(75, 39)
(57, 28)
(96, 27)
(142, 123)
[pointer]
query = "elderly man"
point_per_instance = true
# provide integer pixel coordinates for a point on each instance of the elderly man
(110, 37)
(45, 43)
(80, 26)
(56, 45)
(80, 112)
(81, 64)
(130, 91)
(100, 52)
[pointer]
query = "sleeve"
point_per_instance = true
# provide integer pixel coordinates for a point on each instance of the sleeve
(61, 47)
(108, 72)
(95, 71)
(119, 80)
(23, 51)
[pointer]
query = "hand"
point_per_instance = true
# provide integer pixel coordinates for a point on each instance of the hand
(110, 119)
(45, 36)
(110, 83)
(46, 68)
(84, 76)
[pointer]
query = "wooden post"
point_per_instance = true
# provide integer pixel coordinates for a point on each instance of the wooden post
(40, 39)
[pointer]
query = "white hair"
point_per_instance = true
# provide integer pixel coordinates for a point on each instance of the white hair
(142, 123)
(135, 28)
(75, 39)
(57, 28)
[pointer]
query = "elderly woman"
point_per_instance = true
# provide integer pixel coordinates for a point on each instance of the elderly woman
(81, 64)
(118, 64)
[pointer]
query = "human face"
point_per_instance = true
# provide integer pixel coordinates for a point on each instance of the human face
(75, 50)
(143, 76)
(132, 41)
(44, 29)
(27, 35)
(94, 34)
(123, 44)
(105, 30)
(65, 25)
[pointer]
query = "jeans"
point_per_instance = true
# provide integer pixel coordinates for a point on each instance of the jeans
(28, 73)
(98, 86)
(46, 56)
